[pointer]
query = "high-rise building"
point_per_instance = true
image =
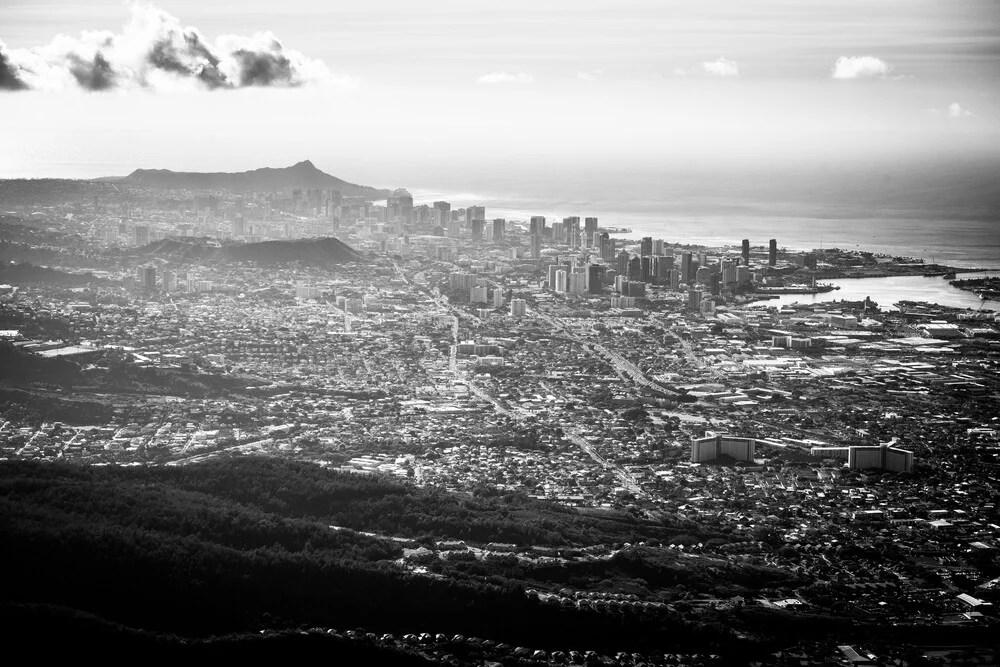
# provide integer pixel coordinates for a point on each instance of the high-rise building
(646, 268)
(595, 279)
(658, 246)
(499, 230)
(772, 252)
(149, 277)
(558, 232)
(623, 262)
(746, 252)
(405, 208)
(553, 269)
(561, 283)
(477, 294)
(694, 300)
(537, 225)
(443, 213)
(635, 268)
(606, 246)
(728, 273)
(686, 269)
(498, 298)
(572, 225)
(141, 235)
(662, 266)
(633, 288)
(675, 278)
(712, 446)
(590, 231)
(518, 307)
(646, 246)
(742, 275)
(883, 457)
(474, 213)
(477, 230)
(536, 246)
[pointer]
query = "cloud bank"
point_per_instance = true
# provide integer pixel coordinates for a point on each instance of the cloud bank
(860, 67)
(154, 51)
(721, 67)
(955, 110)
(504, 77)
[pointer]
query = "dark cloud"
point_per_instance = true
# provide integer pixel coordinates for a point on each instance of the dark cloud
(199, 48)
(10, 78)
(96, 74)
(263, 68)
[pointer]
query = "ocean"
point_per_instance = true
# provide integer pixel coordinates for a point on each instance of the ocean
(949, 216)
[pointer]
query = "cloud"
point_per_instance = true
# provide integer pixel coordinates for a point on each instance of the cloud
(154, 51)
(592, 75)
(10, 74)
(504, 77)
(955, 110)
(858, 67)
(952, 111)
(721, 67)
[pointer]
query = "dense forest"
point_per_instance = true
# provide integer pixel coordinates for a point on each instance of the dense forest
(206, 556)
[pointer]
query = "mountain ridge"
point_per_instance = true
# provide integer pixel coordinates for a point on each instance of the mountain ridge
(320, 251)
(302, 174)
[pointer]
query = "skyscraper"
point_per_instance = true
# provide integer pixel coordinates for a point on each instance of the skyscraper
(443, 209)
(537, 225)
(561, 280)
(590, 231)
(746, 252)
(623, 260)
(728, 273)
(536, 246)
(477, 230)
(663, 265)
(604, 243)
(149, 277)
(646, 247)
(646, 268)
(572, 231)
(499, 230)
(553, 269)
(474, 213)
(694, 300)
(595, 279)
(686, 272)
(772, 252)
(635, 268)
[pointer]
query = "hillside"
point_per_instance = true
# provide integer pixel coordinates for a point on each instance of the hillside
(315, 251)
(319, 251)
(302, 175)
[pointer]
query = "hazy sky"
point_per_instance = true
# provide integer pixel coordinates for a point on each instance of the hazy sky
(388, 91)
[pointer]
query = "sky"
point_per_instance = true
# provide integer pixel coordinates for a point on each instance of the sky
(396, 92)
